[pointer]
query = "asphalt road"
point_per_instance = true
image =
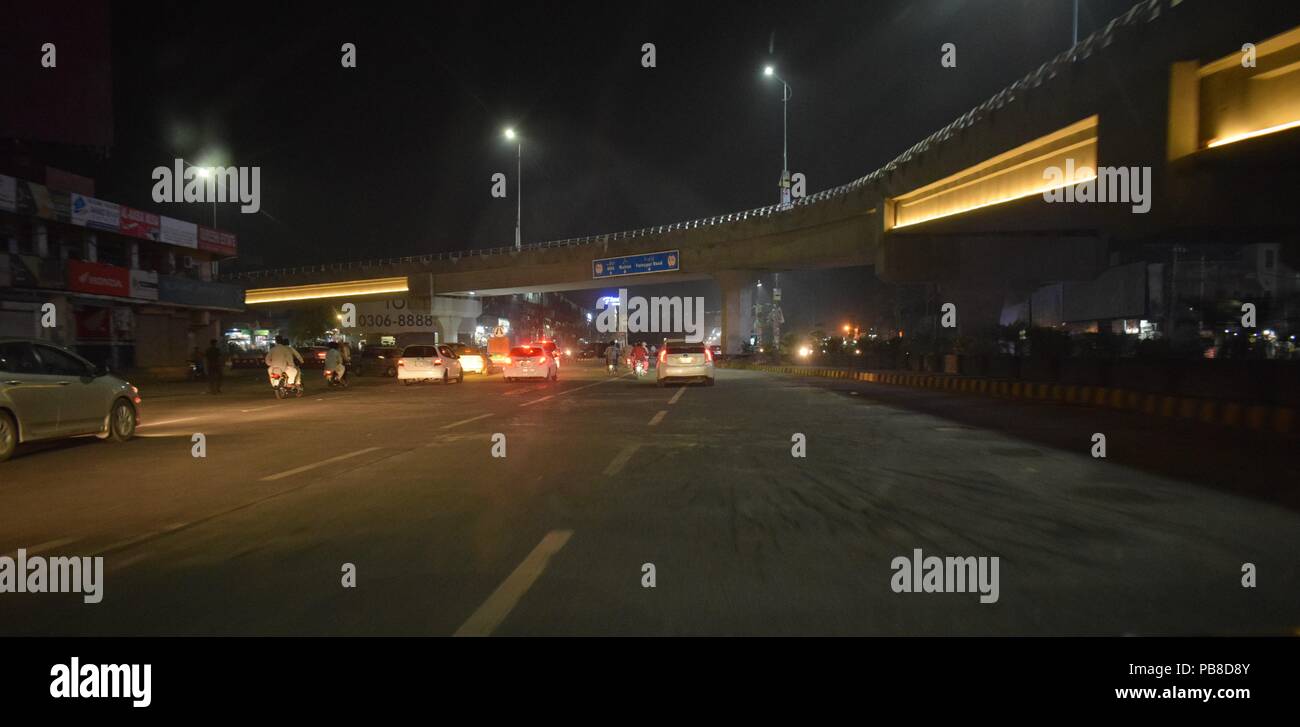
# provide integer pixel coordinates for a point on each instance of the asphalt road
(602, 476)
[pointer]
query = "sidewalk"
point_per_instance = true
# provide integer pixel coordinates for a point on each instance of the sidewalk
(1221, 412)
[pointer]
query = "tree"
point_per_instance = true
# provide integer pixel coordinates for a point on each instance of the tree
(309, 324)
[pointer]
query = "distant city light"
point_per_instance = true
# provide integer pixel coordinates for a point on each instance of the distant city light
(510, 134)
(769, 71)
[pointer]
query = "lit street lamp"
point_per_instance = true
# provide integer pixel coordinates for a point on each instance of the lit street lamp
(206, 172)
(786, 94)
(519, 182)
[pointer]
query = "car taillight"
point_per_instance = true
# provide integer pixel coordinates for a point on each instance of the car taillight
(541, 359)
(663, 355)
(708, 354)
(401, 362)
(506, 360)
(437, 362)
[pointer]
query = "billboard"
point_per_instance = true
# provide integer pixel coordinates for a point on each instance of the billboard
(651, 262)
(177, 232)
(96, 213)
(98, 278)
(144, 284)
(33, 199)
(216, 241)
(138, 223)
(396, 315)
(188, 291)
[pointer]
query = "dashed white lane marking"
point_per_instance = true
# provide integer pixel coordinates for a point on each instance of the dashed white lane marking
(677, 396)
(314, 465)
(566, 391)
(658, 417)
(166, 421)
(620, 459)
(465, 421)
(42, 547)
(260, 408)
(494, 610)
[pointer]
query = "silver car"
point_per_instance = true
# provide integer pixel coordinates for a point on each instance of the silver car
(47, 392)
(682, 361)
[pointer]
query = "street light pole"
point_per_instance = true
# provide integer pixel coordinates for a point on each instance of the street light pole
(519, 194)
(205, 172)
(786, 95)
(519, 184)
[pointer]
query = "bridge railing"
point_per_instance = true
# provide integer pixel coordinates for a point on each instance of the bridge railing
(756, 213)
(1142, 12)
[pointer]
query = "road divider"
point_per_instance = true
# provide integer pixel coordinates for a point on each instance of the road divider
(1233, 414)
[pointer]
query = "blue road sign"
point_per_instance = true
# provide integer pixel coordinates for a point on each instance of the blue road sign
(651, 262)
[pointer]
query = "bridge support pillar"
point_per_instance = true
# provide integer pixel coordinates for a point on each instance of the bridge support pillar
(737, 307)
(448, 329)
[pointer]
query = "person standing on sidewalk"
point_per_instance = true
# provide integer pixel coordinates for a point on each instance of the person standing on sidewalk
(214, 362)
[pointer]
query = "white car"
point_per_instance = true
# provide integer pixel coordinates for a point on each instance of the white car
(429, 362)
(472, 360)
(682, 361)
(530, 362)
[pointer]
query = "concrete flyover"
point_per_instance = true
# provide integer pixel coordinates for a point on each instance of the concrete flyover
(1160, 88)
(822, 231)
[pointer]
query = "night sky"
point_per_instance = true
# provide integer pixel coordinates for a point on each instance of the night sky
(395, 156)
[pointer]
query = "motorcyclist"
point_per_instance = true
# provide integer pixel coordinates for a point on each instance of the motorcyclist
(345, 349)
(285, 357)
(611, 355)
(640, 356)
(334, 361)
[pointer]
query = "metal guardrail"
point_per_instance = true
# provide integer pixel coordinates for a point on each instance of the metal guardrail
(1144, 11)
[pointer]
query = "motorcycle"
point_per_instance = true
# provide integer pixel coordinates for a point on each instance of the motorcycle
(640, 367)
(335, 380)
(281, 386)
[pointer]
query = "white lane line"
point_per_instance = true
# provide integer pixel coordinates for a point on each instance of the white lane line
(567, 391)
(42, 547)
(314, 465)
(658, 417)
(260, 408)
(139, 538)
(503, 600)
(465, 421)
(677, 396)
(166, 421)
(620, 460)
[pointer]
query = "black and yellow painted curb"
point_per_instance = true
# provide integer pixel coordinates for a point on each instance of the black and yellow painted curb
(1256, 417)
